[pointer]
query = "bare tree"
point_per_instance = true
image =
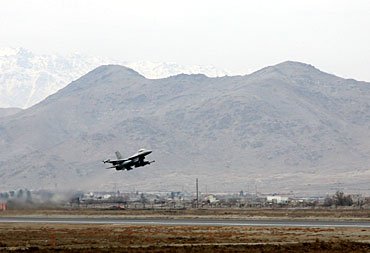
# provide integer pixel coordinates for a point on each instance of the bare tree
(340, 199)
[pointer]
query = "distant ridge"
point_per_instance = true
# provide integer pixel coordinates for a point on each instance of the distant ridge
(27, 78)
(288, 127)
(291, 68)
(8, 111)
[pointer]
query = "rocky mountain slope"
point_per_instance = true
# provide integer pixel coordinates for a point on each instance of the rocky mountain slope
(8, 111)
(288, 127)
(27, 78)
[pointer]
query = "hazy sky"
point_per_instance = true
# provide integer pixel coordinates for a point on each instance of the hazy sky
(236, 35)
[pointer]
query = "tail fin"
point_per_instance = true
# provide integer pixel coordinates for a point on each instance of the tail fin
(118, 155)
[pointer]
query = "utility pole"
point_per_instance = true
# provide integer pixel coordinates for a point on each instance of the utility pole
(256, 188)
(197, 192)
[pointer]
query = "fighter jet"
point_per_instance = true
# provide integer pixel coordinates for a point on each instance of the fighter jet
(136, 160)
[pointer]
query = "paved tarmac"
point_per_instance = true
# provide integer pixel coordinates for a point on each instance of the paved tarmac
(192, 222)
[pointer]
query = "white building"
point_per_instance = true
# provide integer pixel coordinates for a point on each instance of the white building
(277, 199)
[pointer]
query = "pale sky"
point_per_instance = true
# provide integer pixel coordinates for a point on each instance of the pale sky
(239, 36)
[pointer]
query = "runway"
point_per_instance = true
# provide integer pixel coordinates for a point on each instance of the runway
(191, 222)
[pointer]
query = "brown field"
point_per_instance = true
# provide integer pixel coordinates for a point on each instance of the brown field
(127, 238)
(70, 238)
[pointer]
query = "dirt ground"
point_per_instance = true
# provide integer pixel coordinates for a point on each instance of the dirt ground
(114, 238)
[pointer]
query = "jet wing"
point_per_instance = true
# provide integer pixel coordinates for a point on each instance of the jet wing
(115, 162)
(140, 154)
(135, 156)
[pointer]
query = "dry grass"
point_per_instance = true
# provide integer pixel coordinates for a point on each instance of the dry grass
(67, 237)
(118, 238)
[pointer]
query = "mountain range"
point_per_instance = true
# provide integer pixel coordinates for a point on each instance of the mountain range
(8, 111)
(288, 127)
(27, 78)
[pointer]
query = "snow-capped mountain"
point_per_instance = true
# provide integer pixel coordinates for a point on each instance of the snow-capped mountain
(27, 78)
(156, 70)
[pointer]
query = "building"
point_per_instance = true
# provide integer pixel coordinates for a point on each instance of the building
(277, 199)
